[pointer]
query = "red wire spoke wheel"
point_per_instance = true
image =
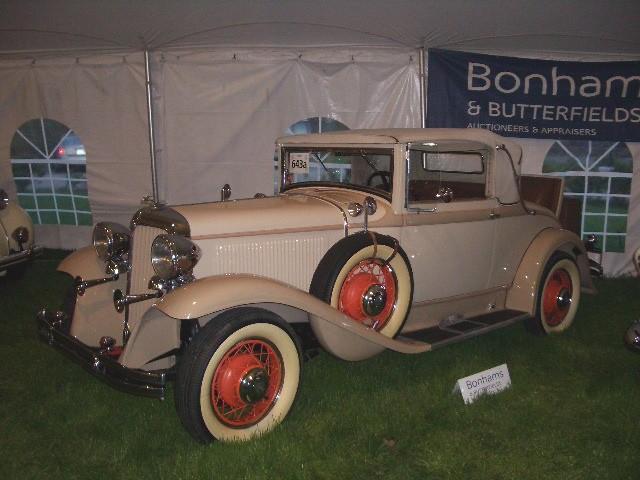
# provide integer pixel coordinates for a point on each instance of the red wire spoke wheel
(239, 376)
(246, 383)
(368, 293)
(372, 283)
(557, 297)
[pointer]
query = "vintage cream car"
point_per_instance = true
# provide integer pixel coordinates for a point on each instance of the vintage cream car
(400, 239)
(16, 238)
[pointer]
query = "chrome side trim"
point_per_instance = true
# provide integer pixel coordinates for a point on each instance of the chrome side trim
(162, 217)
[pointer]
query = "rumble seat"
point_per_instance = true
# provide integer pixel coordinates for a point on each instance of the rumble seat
(543, 190)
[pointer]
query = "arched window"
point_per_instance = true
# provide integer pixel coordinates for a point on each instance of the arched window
(598, 174)
(316, 125)
(49, 168)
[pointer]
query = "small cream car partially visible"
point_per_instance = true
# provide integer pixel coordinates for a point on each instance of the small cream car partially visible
(401, 239)
(16, 237)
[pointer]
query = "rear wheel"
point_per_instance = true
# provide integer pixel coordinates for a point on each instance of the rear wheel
(558, 296)
(239, 376)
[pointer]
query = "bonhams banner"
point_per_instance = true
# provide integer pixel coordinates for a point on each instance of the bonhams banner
(534, 98)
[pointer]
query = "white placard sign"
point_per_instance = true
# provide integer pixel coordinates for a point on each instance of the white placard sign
(299, 162)
(489, 382)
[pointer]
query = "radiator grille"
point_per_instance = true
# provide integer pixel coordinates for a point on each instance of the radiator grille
(141, 271)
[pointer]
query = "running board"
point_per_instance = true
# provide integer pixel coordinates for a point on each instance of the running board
(439, 336)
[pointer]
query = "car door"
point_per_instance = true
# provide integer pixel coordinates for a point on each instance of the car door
(449, 228)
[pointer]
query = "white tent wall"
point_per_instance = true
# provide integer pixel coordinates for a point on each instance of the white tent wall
(102, 99)
(219, 112)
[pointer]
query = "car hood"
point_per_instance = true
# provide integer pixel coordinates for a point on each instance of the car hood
(299, 210)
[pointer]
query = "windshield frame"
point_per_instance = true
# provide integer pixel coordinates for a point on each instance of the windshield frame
(295, 148)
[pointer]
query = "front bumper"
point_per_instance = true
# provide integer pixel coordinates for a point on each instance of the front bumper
(20, 257)
(107, 369)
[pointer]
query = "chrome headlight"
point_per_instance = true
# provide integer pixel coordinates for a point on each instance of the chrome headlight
(110, 240)
(173, 255)
(4, 199)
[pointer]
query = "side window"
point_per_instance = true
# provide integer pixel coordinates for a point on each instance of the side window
(48, 161)
(444, 176)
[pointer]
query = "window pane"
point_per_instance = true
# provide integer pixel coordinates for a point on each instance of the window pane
(617, 160)
(574, 184)
(593, 223)
(78, 171)
(45, 202)
(67, 218)
(557, 159)
(54, 132)
(621, 186)
(618, 205)
(79, 188)
(49, 218)
(617, 224)
(20, 170)
(20, 149)
(24, 186)
(42, 186)
(615, 243)
(27, 202)
(61, 186)
(596, 204)
(64, 203)
(598, 185)
(84, 219)
(33, 131)
(39, 170)
(82, 204)
(59, 170)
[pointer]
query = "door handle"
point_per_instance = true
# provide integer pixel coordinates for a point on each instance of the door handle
(494, 215)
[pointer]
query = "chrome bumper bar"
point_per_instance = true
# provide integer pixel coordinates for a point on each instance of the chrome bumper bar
(20, 257)
(107, 369)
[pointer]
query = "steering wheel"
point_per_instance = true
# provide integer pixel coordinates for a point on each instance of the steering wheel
(385, 177)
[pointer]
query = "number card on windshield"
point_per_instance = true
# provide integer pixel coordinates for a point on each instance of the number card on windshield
(299, 162)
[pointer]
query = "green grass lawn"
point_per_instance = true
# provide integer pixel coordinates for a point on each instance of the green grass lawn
(571, 413)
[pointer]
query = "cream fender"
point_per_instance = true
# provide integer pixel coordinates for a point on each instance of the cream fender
(523, 293)
(337, 333)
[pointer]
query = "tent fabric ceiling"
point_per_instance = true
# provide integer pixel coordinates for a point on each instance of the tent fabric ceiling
(31, 26)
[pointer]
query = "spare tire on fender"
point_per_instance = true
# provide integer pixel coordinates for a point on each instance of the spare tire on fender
(368, 277)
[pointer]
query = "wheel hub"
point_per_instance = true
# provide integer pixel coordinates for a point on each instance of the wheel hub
(254, 385)
(374, 300)
(240, 380)
(368, 293)
(564, 298)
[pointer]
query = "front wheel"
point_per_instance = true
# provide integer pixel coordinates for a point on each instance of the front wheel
(239, 377)
(558, 296)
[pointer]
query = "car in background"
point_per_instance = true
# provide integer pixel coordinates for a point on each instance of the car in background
(16, 238)
(400, 239)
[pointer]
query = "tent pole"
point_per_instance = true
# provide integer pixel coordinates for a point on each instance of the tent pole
(422, 75)
(152, 142)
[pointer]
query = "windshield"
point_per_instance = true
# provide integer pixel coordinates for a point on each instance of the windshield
(363, 168)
